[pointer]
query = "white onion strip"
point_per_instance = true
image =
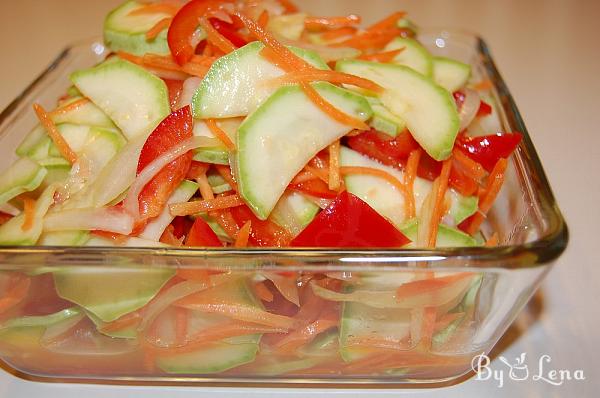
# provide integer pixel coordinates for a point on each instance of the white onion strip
(469, 108)
(150, 171)
(190, 86)
(109, 219)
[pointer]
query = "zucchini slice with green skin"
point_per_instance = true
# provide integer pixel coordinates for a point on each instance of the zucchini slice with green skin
(383, 120)
(386, 199)
(24, 175)
(446, 237)
(125, 32)
(450, 74)
(294, 212)
(135, 100)
(282, 135)
(88, 114)
(414, 55)
(237, 83)
(428, 109)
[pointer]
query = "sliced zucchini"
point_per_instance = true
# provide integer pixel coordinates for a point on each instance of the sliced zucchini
(446, 237)
(135, 100)
(64, 238)
(126, 32)
(413, 55)
(450, 74)
(282, 135)
(294, 212)
(237, 83)
(287, 26)
(383, 120)
(24, 175)
(87, 114)
(428, 109)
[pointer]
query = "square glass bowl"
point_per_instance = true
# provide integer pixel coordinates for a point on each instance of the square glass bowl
(369, 316)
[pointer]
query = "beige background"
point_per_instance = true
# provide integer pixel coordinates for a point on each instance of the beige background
(549, 54)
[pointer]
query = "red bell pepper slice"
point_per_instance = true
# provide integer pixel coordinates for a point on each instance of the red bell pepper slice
(350, 222)
(175, 87)
(488, 149)
(262, 233)
(228, 31)
(202, 235)
(184, 24)
(174, 129)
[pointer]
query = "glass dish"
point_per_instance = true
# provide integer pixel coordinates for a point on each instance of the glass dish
(430, 334)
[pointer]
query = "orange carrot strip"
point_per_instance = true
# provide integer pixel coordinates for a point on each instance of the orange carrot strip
(484, 85)
(493, 240)
(156, 8)
(62, 145)
(15, 295)
(286, 57)
(290, 7)
(203, 206)
(242, 238)
(327, 75)
(213, 36)
(437, 213)
(345, 170)
(471, 168)
(196, 170)
(225, 172)
(370, 40)
(410, 175)
(446, 320)
(303, 176)
(263, 19)
(220, 134)
(428, 286)
(28, 213)
(331, 110)
(127, 320)
(339, 32)
(321, 174)
(386, 23)
(69, 107)
(226, 221)
(205, 189)
(158, 27)
(320, 23)
(240, 312)
(334, 166)
(428, 327)
(495, 181)
(300, 337)
(263, 292)
(382, 57)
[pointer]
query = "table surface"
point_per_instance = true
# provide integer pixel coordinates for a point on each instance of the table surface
(547, 51)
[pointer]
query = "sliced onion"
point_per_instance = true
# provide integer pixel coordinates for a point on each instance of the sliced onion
(388, 299)
(469, 108)
(197, 37)
(323, 203)
(79, 174)
(54, 332)
(177, 292)
(9, 209)
(287, 286)
(327, 53)
(167, 74)
(189, 89)
(131, 200)
(109, 219)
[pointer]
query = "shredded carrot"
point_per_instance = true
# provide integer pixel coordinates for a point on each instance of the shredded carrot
(334, 166)
(329, 76)
(290, 7)
(181, 325)
(225, 172)
(263, 292)
(495, 181)
(28, 213)
(320, 23)
(388, 22)
(427, 329)
(298, 338)
(345, 170)
(263, 19)
(158, 27)
(205, 189)
(470, 167)
(370, 40)
(445, 320)
(15, 294)
(220, 134)
(484, 85)
(440, 195)
(493, 240)
(382, 57)
(73, 106)
(338, 33)
(242, 238)
(155, 8)
(198, 65)
(331, 110)
(203, 206)
(240, 312)
(196, 170)
(213, 36)
(321, 174)
(124, 322)
(62, 145)
(226, 221)
(303, 176)
(429, 286)
(410, 175)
